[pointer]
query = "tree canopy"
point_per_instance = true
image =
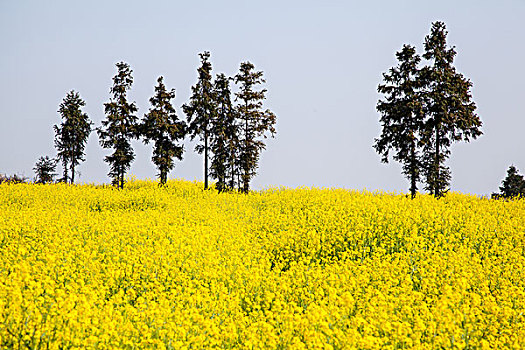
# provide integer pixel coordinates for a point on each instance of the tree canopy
(513, 185)
(255, 123)
(225, 139)
(449, 109)
(72, 134)
(120, 125)
(162, 127)
(45, 169)
(426, 110)
(200, 110)
(402, 115)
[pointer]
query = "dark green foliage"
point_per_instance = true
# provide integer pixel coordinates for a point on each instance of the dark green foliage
(425, 111)
(402, 115)
(224, 136)
(162, 126)
(72, 134)
(254, 122)
(448, 107)
(45, 169)
(513, 185)
(120, 125)
(200, 110)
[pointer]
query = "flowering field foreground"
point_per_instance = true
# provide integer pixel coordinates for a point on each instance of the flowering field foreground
(179, 267)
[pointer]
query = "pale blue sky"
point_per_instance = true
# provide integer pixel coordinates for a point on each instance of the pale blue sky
(322, 61)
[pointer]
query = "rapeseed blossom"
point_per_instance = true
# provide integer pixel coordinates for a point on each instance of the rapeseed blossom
(178, 267)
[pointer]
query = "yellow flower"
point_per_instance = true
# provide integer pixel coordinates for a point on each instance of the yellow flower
(178, 267)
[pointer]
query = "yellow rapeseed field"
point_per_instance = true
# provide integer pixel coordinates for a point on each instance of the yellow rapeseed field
(178, 267)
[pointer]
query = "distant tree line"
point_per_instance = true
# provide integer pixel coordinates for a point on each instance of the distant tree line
(230, 130)
(13, 179)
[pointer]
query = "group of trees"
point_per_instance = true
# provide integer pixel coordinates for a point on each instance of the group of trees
(230, 135)
(12, 179)
(424, 111)
(71, 136)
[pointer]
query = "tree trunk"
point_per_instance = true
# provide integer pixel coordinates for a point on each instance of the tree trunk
(437, 190)
(72, 167)
(239, 181)
(245, 178)
(206, 159)
(413, 170)
(232, 180)
(163, 177)
(66, 177)
(121, 177)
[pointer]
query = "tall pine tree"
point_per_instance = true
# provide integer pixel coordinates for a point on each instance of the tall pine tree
(224, 139)
(162, 127)
(402, 115)
(200, 110)
(120, 125)
(449, 109)
(72, 134)
(254, 122)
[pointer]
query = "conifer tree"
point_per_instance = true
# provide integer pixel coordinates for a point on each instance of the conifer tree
(402, 115)
(449, 109)
(254, 122)
(45, 169)
(513, 185)
(200, 110)
(72, 134)
(224, 139)
(162, 127)
(120, 125)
